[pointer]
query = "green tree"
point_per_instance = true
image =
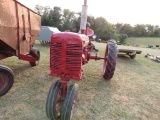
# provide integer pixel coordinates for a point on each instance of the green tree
(122, 37)
(126, 29)
(55, 17)
(139, 30)
(118, 27)
(45, 16)
(103, 29)
(157, 31)
(67, 19)
(150, 30)
(91, 20)
(39, 9)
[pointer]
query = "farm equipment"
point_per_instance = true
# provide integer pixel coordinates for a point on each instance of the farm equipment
(130, 53)
(45, 34)
(153, 57)
(19, 28)
(68, 53)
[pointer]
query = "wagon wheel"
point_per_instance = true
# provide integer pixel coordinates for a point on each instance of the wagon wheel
(69, 102)
(6, 79)
(110, 61)
(132, 56)
(54, 101)
(36, 62)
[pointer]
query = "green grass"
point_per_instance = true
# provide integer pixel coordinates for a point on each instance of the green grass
(143, 41)
(133, 93)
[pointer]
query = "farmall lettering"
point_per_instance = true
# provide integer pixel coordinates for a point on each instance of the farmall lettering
(68, 53)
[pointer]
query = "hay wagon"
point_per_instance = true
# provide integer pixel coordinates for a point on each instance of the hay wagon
(19, 28)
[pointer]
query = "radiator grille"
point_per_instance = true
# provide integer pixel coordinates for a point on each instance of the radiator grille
(56, 54)
(73, 57)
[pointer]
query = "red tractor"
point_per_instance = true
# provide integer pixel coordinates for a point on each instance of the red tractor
(19, 28)
(68, 53)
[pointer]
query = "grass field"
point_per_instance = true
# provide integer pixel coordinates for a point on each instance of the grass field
(143, 41)
(132, 94)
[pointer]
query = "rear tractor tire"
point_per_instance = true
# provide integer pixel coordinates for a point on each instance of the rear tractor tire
(6, 79)
(110, 61)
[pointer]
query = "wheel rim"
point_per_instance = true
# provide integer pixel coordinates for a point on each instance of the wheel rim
(58, 104)
(3, 81)
(105, 60)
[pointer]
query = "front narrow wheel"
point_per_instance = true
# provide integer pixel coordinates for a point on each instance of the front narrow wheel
(69, 102)
(110, 59)
(6, 79)
(54, 101)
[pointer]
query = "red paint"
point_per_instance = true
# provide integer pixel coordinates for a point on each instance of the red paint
(28, 58)
(2, 56)
(68, 53)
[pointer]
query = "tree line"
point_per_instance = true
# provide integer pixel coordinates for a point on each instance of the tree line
(69, 20)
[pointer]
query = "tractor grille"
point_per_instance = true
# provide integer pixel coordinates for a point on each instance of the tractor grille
(73, 57)
(56, 54)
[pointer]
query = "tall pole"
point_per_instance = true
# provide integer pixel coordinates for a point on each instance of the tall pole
(84, 17)
(85, 2)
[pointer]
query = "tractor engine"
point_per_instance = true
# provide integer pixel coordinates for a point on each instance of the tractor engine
(68, 52)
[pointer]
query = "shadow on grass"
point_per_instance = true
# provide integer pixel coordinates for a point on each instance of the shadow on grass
(103, 100)
(123, 56)
(21, 68)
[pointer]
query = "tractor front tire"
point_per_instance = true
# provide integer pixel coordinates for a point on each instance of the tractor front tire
(69, 102)
(36, 62)
(110, 60)
(6, 79)
(54, 101)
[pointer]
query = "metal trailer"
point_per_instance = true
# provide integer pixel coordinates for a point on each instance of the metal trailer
(19, 28)
(45, 34)
(130, 53)
(68, 53)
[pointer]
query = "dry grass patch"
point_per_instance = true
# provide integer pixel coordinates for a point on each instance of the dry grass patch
(133, 92)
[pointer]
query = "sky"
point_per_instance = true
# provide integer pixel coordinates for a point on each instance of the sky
(114, 11)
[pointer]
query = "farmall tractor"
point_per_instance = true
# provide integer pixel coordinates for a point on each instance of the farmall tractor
(68, 53)
(19, 28)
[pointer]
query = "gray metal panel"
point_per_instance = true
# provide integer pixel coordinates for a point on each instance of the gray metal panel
(46, 33)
